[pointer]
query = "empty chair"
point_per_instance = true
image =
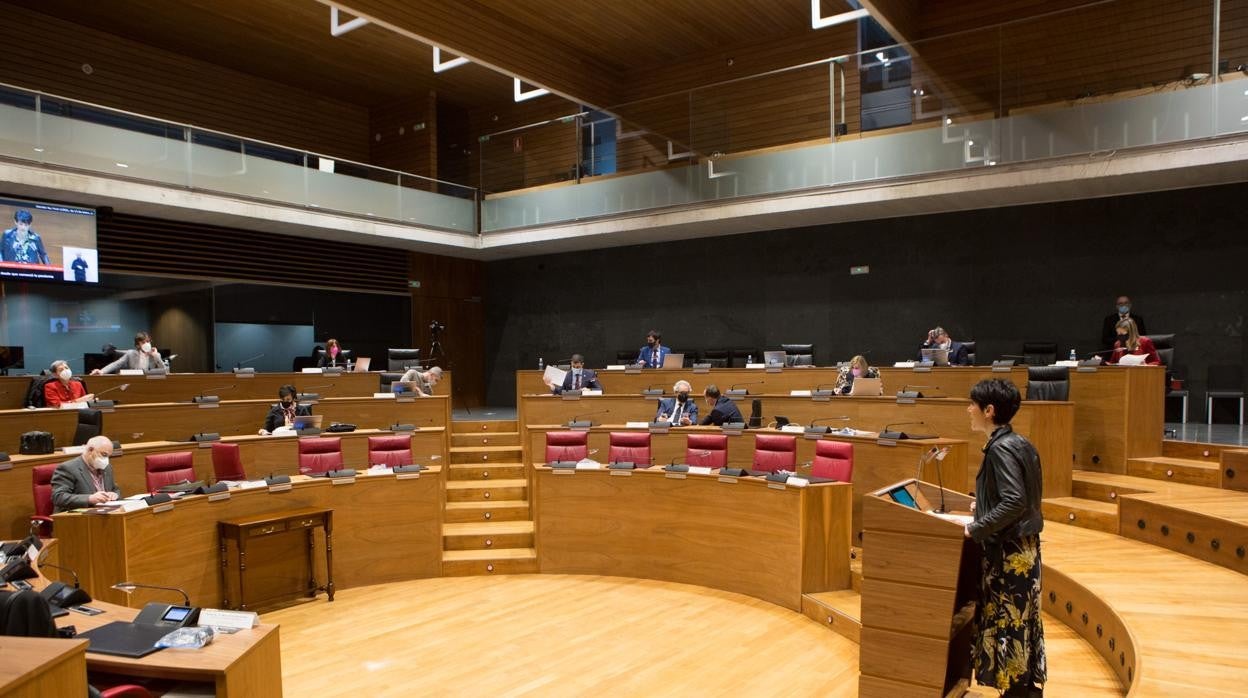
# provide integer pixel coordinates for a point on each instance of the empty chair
(717, 358)
(626, 356)
(834, 460)
(798, 354)
(227, 463)
(401, 360)
(1048, 383)
(566, 445)
(970, 351)
(629, 447)
(1164, 344)
(168, 469)
(707, 450)
(1223, 383)
(774, 452)
(320, 455)
(740, 357)
(391, 451)
(1039, 353)
(89, 425)
(41, 488)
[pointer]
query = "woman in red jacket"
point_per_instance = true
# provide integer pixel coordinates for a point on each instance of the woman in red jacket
(1130, 342)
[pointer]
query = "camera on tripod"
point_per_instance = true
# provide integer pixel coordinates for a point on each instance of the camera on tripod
(436, 327)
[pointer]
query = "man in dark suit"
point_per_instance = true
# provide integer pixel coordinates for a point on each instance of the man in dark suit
(578, 377)
(1109, 334)
(652, 355)
(679, 410)
(938, 338)
(722, 409)
(86, 480)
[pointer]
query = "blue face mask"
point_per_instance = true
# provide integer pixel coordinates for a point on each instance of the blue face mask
(1124, 309)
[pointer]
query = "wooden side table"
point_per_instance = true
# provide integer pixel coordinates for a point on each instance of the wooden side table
(244, 528)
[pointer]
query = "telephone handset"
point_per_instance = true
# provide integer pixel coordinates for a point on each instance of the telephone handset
(166, 615)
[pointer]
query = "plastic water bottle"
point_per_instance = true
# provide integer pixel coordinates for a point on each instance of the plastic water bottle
(1073, 356)
(749, 359)
(541, 365)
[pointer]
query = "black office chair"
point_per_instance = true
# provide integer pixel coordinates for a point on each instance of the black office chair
(798, 354)
(1039, 353)
(90, 423)
(400, 360)
(1164, 343)
(739, 357)
(1048, 383)
(626, 356)
(970, 351)
(717, 358)
(25, 614)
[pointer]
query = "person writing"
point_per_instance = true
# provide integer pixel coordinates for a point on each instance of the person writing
(143, 357)
(284, 412)
(577, 378)
(938, 338)
(333, 355)
(86, 480)
(857, 368)
(680, 411)
(652, 355)
(424, 380)
(1109, 328)
(64, 389)
(722, 409)
(1129, 341)
(1009, 649)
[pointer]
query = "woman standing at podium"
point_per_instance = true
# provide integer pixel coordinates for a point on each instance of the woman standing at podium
(1009, 648)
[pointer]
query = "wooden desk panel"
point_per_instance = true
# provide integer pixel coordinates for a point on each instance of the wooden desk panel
(14, 423)
(1049, 425)
(875, 466)
(261, 455)
(39, 667)
(1119, 414)
(13, 391)
(743, 537)
(181, 387)
(386, 530)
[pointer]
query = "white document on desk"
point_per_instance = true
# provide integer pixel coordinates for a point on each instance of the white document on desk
(1133, 360)
(554, 375)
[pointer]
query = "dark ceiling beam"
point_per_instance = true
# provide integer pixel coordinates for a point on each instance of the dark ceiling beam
(487, 37)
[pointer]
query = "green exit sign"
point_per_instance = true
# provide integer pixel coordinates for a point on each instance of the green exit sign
(855, 271)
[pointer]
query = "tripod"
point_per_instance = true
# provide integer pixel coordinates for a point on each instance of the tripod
(436, 354)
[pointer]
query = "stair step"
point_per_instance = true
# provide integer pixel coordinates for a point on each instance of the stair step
(468, 490)
(839, 610)
(460, 563)
(1183, 470)
(486, 471)
(1107, 487)
(487, 535)
(486, 454)
(487, 438)
(492, 510)
(469, 426)
(1085, 513)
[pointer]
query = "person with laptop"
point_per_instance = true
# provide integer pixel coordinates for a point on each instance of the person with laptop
(284, 412)
(722, 409)
(938, 338)
(423, 381)
(577, 378)
(87, 479)
(332, 355)
(680, 411)
(856, 368)
(143, 357)
(653, 354)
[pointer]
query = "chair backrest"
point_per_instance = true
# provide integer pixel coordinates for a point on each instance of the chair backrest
(402, 359)
(833, 459)
(168, 468)
(90, 424)
(630, 446)
(774, 452)
(320, 454)
(717, 358)
(707, 450)
(1039, 353)
(741, 356)
(390, 450)
(566, 445)
(970, 351)
(41, 488)
(1048, 383)
(798, 354)
(1164, 344)
(626, 356)
(227, 462)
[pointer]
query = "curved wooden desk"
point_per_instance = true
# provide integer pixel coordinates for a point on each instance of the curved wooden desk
(178, 387)
(741, 535)
(37, 667)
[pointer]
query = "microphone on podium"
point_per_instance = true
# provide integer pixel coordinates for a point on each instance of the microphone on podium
(97, 403)
(736, 391)
(812, 429)
(205, 398)
(313, 397)
(888, 432)
(578, 421)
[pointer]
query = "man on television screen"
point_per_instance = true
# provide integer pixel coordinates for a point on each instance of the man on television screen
(80, 268)
(21, 244)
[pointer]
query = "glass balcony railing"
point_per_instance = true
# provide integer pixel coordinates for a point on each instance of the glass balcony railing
(1095, 80)
(66, 133)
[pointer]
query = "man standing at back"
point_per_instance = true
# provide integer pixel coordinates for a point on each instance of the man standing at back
(1108, 332)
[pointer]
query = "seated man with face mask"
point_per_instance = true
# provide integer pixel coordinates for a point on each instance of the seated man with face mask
(679, 410)
(86, 480)
(64, 388)
(284, 412)
(578, 377)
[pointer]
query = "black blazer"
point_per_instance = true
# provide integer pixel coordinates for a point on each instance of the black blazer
(275, 418)
(1109, 332)
(589, 380)
(725, 410)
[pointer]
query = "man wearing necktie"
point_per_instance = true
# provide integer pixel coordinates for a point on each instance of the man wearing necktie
(680, 411)
(578, 377)
(652, 355)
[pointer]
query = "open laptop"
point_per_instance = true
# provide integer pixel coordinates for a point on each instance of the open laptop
(674, 361)
(774, 358)
(940, 357)
(304, 421)
(362, 364)
(867, 387)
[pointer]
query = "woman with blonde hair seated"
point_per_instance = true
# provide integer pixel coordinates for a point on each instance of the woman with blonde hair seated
(856, 368)
(1131, 342)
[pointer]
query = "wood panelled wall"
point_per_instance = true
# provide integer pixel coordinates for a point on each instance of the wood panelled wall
(404, 135)
(542, 155)
(451, 292)
(49, 54)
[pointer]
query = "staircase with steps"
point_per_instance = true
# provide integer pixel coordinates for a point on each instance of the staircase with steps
(487, 525)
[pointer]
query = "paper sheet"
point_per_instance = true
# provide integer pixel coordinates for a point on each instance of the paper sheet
(554, 375)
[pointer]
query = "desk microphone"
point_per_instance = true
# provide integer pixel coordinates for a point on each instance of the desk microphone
(313, 396)
(819, 389)
(578, 421)
(734, 390)
(62, 595)
(238, 366)
(98, 403)
(888, 433)
(812, 429)
(652, 390)
(913, 391)
(204, 397)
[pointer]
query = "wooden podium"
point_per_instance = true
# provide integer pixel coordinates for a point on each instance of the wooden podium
(920, 582)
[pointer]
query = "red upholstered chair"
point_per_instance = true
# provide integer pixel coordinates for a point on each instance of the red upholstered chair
(707, 450)
(320, 455)
(774, 452)
(833, 459)
(227, 464)
(168, 468)
(41, 485)
(630, 447)
(390, 450)
(566, 445)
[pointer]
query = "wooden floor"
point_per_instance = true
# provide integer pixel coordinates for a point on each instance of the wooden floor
(555, 635)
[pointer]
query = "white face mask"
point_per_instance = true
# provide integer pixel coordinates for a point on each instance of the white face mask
(100, 463)
(66, 374)
(146, 347)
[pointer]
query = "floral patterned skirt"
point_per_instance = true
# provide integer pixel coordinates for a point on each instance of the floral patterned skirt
(1009, 650)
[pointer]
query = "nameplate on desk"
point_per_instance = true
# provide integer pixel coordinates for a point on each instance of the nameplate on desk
(215, 402)
(161, 508)
(632, 369)
(905, 400)
(159, 375)
(732, 428)
(383, 396)
(73, 450)
(776, 486)
(886, 442)
(244, 373)
(903, 364)
(312, 370)
(570, 395)
(775, 368)
(796, 481)
(219, 496)
(793, 429)
(800, 393)
(701, 368)
(1002, 369)
(1086, 369)
(130, 372)
(623, 473)
(636, 425)
(660, 427)
(699, 470)
(350, 480)
(616, 367)
(674, 476)
(727, 479)
(590, 392)
(756, 365)
(564, 471)
(407, 476)
(923, 368)
(1067, 363)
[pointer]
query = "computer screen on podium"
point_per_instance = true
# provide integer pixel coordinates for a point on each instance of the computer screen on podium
(902, 496)
(53, 242)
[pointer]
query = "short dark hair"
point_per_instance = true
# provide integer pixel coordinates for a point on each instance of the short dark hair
(23, 216)
(712, 391)
(656, 334)
(286, 390)
(1001, 394)
(577, 359)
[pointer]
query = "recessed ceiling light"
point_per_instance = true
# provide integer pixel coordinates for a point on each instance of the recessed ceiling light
(38, 150)
(121, 164)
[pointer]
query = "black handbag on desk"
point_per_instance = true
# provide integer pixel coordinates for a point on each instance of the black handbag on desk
(339, 428)
(37, 443)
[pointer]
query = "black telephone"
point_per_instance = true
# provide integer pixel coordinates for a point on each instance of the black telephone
(166, 615)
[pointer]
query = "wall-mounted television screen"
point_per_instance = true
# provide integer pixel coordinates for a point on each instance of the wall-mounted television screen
(53, 242)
